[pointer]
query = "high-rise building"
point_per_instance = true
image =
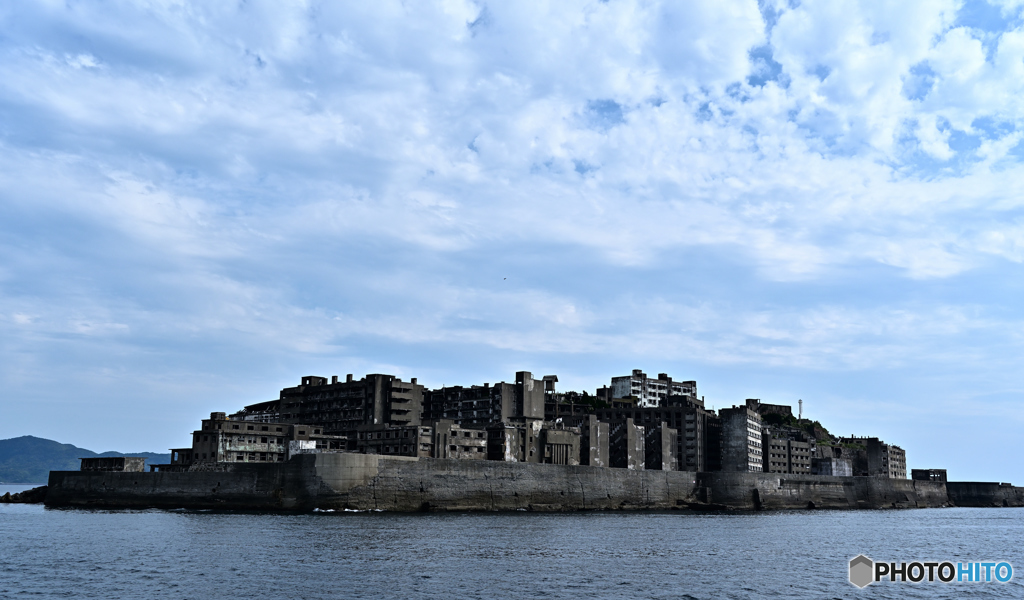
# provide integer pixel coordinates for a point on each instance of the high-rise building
(650, 391)
(696, 446)
(741, 444)
(342, 407)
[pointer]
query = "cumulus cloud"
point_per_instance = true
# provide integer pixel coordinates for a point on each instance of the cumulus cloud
(190, 188)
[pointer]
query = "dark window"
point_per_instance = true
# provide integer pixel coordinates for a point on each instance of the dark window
(264, 429)
(279, 429)
(234, 426)
(249, 428)
(263, 440)
(302, 433)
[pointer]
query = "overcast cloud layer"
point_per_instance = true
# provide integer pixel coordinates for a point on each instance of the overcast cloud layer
(202, 202)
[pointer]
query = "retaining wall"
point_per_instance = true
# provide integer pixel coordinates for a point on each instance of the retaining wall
(284, 486)
(367, 482)
(984, 493)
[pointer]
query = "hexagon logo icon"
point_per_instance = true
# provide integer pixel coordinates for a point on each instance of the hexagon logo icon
(861, 571)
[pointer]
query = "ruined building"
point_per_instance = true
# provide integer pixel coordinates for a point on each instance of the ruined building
(741, 439)
(222, 439)
(651, 392)
(639, 423)
(695, 445)
(785, 447)
(871, 457)
(341, 407)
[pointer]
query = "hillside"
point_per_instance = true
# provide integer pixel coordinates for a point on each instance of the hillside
(29, 459)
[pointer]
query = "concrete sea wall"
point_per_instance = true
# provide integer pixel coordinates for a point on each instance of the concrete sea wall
(284, 486)
(984, 493)
(772, 491)
(434, 484)
(370, 482)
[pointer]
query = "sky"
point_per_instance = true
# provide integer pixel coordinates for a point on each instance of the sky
(201, 203)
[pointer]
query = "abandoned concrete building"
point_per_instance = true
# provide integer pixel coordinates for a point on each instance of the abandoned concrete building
(452, 440)
(400, 440)
(696, 443)
(928, 474)
(481, 405)
(871, 457)
(764, 408)
(222, 439)
(785, 448)
(638, 423)
(594, 439)
(741, 440)
(651, 392)
(784, 454)
(133, 464)
(533, 441)
(626, 445)
(838, 467)
(568, 405)
(477, 405)
(660, 442)
(341, 407)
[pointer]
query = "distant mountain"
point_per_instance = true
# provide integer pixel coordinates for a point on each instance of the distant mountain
(29, 459)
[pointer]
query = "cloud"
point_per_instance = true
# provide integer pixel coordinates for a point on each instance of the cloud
(205, 197)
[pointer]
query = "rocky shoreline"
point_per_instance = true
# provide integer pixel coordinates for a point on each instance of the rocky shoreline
(32, 496)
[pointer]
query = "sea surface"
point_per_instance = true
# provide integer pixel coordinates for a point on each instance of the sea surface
(75, 553)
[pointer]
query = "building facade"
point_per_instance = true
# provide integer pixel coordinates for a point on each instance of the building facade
(785, 455)
(837, 467)
(695, 439)
(223, 439)
(477, 405)
(741, 439)
(660, 443)
(871, 457)
(649, 391)
(531, 440)
(928, 475)
(626, 445)
(401, 440)
(341, 407)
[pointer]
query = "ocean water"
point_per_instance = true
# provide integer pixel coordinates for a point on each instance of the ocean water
(74, 553)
